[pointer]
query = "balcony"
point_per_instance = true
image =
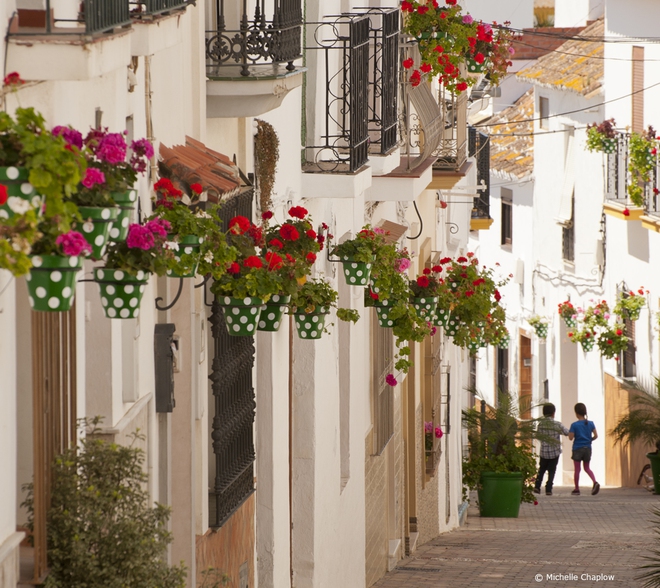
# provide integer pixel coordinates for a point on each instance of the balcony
(70, 41)
(479, 148)
(245, 62)
(148, 9)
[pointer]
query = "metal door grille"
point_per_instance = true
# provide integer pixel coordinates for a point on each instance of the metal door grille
(383, 392)
(53, 411)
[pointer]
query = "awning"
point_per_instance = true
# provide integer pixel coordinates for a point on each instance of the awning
(565, 213)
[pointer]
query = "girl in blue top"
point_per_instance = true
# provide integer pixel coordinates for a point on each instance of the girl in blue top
(582, 433)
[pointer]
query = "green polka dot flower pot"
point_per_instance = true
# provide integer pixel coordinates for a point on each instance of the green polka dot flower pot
(383, 310)
(571, 323)
(587, 344)
(356, 272)
(126, 203)
(609, 145)
(310, 325)
(633, 314)
(426, 306)
(121, 293)
(475, 68)
(52, 282)
(503, 343)
(15, 179)
(96, 227)
(541, 331)
(441, 317)
(474, 345)
(452, 325)
(187, 257)
(241, 315)
(272, 312)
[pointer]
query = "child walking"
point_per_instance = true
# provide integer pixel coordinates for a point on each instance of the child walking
(550, 448)
(582, 433)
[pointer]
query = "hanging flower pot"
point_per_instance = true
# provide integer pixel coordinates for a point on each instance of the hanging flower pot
(452, 326)
(356, 272)
(51, 282)
(426, 306)
(121, 293)
(441, 317)
(609, 145)
(272, 312)
(504, 342)
(311, 325)
(633, 313)
(241, 314)
(541, 330)
(126, 204)
(383, 309)
(15, 179)
(474, 344)
(96, 227)
(474, 67)
(587, 344)
(188, 246)
(571, 323)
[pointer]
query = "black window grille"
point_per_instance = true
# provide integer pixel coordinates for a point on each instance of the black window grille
(153, 7)
(507, 217)
(341, 143)
(383, 345)
(568, 236)
(502, 370)
(627, 366)
(616, 171)
(479, 148)
(544, 112)
(233, 393)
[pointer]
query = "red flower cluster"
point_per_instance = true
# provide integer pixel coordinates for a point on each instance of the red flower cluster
(196, 188)
(253, 262)
(267, 215)
(289, 232)
(3, 194)
(274, 261)
(239, 225)
(13, 79)
(423, 282)
(298, 212)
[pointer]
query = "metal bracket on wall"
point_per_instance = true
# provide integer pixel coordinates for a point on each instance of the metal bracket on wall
(176, 298)
(453, 228)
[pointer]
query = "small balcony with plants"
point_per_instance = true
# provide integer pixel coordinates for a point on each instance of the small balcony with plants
(69, 39)
(251, 54)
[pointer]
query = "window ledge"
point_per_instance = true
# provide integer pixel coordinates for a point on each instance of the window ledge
(480, 224)
(652, 223)
(617, 210)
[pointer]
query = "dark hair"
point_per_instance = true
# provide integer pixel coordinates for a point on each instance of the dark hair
(549, 409)
(581, 410)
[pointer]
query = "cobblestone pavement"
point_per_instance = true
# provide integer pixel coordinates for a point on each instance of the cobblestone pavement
(563, 541)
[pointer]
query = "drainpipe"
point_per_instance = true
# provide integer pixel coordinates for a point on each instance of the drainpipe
(291, 448)
(153, 168)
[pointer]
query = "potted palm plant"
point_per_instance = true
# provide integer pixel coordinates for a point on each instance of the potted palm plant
(501, 464)
(642, 423)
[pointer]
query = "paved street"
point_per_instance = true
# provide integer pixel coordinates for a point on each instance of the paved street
(563, 535)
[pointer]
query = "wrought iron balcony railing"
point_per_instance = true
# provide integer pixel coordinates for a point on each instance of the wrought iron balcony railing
(140, 8)
(479, 148)
(241, 44)
(340, 48)
(452, 150)
(93, 17)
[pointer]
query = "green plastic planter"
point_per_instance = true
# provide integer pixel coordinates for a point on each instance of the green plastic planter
(500, 494)
(426, 306)
(475, 68)
(310, 326)
(126, 203)
(452, 326)
(272, 312)
(571, 323)
(52, 282)
(356, 272)
(188, 246)
(15, 179)
(442, 316)
(609, 145)
(241, 315)
(121, 293)
(96, 227)
(383, 310)
(541, 331)
(588, 344)
(633, 314)
(654, 458)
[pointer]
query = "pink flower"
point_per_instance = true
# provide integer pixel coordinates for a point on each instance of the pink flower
(92, 177)
(70, 136)
(404, 264)
(73, 243)
(391, 380)
(438, 433)
(143, 148)
(139, 237)
(428, 427)
(158, 226)
(434, 330)
(467, 19)
(112, 148)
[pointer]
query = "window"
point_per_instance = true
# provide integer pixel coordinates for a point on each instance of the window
(568, 235)
(544, 112)
(507, 216)
(626, 365)
(383, 393)
(502, 370)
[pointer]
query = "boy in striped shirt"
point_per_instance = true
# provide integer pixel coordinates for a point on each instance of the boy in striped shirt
(550, 447)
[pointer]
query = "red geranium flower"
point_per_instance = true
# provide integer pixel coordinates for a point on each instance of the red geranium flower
(479, 57)
(276, 243)
(310, 257)
(290, 258)
(234, 268)
(289, 232)
(427, 271)
(461, 259)
(373, 295)
(619, 332)
(274, 261)
(239, 224)
(423, 282)
(408, 63)
(254, 262)
(298, 212)
(626, 212)
(425, 67)
(497, 295)
(437, 268)
(267, 215)
(406, 6)
(415, 78)
(422, 9)
(3, 194)
(461, 86)
(311, 233)
(13, 79)
(196, 188)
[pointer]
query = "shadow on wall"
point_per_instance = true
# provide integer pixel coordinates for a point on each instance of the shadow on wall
(638, 241)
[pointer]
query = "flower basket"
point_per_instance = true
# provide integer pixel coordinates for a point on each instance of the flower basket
(504, 342)
(473, 67)
(126, 203)
(15, 179)
(541, 330)
(426, 306)
(96, 225)
(587, 344)
(383, 311)
(189, 245)
(51, 282)
(121, 293)
(633, 314)
(311, 325)
(355, 272)
(609, 145)
(452, 326)
(241, 314)
(474, 345)
(571, 323)
(272, 312)
(441, 317)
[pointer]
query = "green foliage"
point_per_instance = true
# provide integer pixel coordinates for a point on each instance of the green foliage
(629, 304)
(613, 340)
(537, 320)
(500, 442)
(642, 423)
(319, 296)
(156, 260)
(214, 578)
(599, 135)
(102, 533)
(17, 236)
(642, 159)
(363, 248)
(266, 155)
(651, 573)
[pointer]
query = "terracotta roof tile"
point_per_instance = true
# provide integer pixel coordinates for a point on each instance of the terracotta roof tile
(511, 153)
(536, 42)
(195, 162)
(577, 68)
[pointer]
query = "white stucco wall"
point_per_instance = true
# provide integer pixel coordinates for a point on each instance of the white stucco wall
(520, 14)
(576, 13)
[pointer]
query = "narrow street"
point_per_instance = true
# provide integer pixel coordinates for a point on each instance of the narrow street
(565, 540)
